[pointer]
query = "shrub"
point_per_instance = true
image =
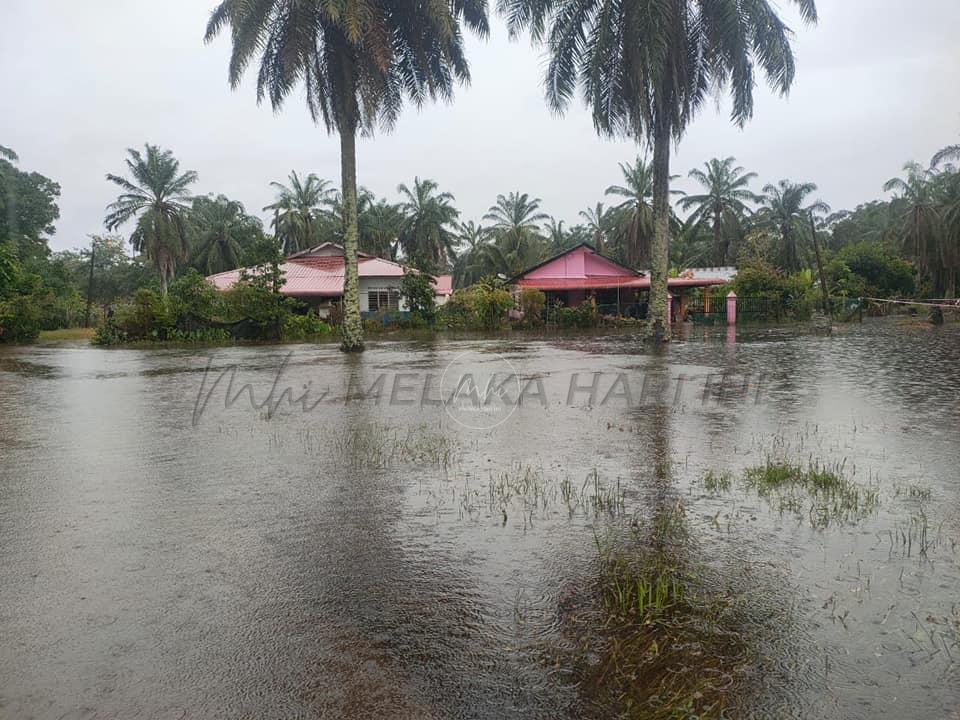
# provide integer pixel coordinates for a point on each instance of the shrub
(532, 302)
(421, 297)
(300, 327)
(489, 302)
(20, 319)
(583, 315)
(865, 269)
(779, 296)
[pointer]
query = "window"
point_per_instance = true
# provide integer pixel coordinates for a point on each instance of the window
(383, 300)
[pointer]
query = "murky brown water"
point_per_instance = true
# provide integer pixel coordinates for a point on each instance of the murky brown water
(355, 557)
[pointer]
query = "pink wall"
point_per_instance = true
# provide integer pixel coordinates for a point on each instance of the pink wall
(579, 263)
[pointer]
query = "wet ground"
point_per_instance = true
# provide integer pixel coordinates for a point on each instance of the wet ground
(395, 535)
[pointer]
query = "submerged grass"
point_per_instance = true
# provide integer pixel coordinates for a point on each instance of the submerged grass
(822, 493)
(379, 446)
(668, 636)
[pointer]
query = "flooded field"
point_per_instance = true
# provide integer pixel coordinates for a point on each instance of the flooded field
(762, 525)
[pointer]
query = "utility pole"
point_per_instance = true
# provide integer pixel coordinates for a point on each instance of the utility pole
(823, 278)
(93, 252)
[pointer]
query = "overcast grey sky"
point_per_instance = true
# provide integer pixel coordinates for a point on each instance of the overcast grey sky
(877, 85)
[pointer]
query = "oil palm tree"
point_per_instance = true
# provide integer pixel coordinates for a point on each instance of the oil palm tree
(515, 219)
(427, 231)
(920, 223)
(633, 217)
(296, 210)
(724, 204)
(646, 68)
(380, 224)
(358, 61)
(157, 195)
(222, 231)
(557, 237)
(786, 211)
(597, 221)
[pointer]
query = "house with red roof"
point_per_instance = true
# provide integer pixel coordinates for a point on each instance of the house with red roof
(316, 276)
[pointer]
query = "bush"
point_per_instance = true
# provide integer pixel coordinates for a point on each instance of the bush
(300, 327)
(489, 302)
(191, 295)
(421, 297)
(865, 269)
(20, 319)
(532, 302)
(583, 315)
(780, 296)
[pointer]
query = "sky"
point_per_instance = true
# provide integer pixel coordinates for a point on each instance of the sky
(877, 85)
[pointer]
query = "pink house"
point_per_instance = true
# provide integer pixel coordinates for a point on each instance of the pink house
(581, 273)
(315, 276)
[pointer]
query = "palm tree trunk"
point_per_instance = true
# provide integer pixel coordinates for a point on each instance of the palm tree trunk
(823, 276)
(660, 252)
(352, 326)
(718, 251)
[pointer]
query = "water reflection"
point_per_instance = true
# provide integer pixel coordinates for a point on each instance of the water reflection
(247, 567)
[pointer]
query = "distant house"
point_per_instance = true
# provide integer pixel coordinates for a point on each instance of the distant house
(315, 277)
(581, 273)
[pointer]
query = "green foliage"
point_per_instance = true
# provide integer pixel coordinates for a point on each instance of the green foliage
(865, 269)
(28, 208)
(482, 306)
(221, 234)
(426, 231)
(583, 315)
(533, 302)
(421, 296)
(156, 196)
(303, 327)
(489, 301)
(775, 295)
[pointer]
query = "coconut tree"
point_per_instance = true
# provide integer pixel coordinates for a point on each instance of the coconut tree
(427, 231)
(724, 204)
(222, 231)
(358, 62)
(646, 68)
(158, 196)
(296, 210)
(787, 212)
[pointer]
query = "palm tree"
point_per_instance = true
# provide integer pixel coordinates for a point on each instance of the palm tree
(634, 216)
(380, 223)
(358, 61)
(517, 215)
(597, 219)
(723, 204)
(557, 237)
(223, 231)
(157, 195)
(920, 222)
(785, 211)
(296, 210)
(646, 68)
(426, 233)
(517, 242)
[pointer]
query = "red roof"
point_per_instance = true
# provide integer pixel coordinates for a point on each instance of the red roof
(320, 274)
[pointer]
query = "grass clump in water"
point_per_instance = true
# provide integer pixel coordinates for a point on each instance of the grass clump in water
(822, 493)
(664, 636)
(717, 483)
(378, 446)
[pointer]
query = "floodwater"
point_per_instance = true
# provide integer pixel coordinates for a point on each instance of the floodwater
(388, 546)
